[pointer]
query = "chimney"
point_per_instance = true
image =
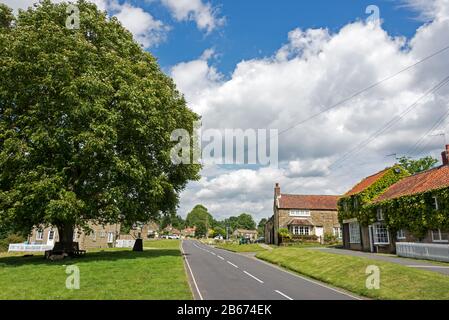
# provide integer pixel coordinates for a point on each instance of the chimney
(445, 156)
(277, 190)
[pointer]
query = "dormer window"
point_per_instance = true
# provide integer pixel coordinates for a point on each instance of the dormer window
(380, 214)
(435, 203)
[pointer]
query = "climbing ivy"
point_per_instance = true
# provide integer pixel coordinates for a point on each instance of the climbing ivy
(416, 213)
(355, 206)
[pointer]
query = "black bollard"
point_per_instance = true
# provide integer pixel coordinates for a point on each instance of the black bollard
(138, 245)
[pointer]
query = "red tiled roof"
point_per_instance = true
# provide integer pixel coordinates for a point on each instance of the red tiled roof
(300, 222)
(310, 202)
(366, 183)
(421, 182)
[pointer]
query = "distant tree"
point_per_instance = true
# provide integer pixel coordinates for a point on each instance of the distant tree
(261, 226)
(176, 221)
(416, 166)
(246, 221)
(86, 118)
(199, 214)
(218, 231)
(201, 230)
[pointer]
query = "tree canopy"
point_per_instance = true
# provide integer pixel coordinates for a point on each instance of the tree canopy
(85, 122)
(200, 214)
(419, 165)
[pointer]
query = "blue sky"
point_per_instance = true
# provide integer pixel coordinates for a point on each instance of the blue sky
(257, 28)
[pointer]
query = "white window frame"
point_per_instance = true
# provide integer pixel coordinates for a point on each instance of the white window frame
(380, 214)
(400, 235)
(94, 235)
(40, 234)
(301, 230)
(51, 232)
(337, 232)
(379, 239)
(354, 233)
(440, 237)
(356, 203)
(299, 213)
(435, 203)
(110, 237)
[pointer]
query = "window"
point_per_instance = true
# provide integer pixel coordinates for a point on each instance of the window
(301, 230)
(110, 237)
(354, 232)
(337, 232)
(75, 234)
(356, 203)
(400, 235)
(345, 206)
(439, 236)
(94, 236)
(380, 234)
(40, 234)
(299, 213)
(102, 234)
(435, 203)
(51, 235)
(380, 214)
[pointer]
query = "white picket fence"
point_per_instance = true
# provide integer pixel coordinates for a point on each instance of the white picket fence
(124, 243)
(429, 251)
(23, 247)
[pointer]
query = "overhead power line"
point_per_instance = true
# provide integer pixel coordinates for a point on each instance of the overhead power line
(389, 124)
(364, 90)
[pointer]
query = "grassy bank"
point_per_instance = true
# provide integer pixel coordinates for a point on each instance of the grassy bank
(348, 272)
(156, 273)
(241, 247)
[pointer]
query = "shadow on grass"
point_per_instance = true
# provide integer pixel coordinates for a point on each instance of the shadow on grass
(96, 256)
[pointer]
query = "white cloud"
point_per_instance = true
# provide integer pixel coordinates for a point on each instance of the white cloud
(205, 16)
(314, 70)
(147, 30)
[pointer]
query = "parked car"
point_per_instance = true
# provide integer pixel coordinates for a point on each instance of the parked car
(260, 240)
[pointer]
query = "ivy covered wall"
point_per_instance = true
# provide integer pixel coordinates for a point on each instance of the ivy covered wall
(416, 213)
(357, 205)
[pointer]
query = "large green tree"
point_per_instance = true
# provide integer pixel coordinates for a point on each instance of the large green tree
(200, 214)
(418, 165)
(85, 122)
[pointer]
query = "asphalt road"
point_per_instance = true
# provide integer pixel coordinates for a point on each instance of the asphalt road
(217, 274)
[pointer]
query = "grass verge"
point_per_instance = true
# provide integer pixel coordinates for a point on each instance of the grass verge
(104, 275)
(397, 282)
(241, 247)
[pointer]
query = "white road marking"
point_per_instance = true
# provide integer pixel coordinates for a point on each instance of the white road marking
(434, 267)
(232, 264)
(309, 280)
(255, 278)
(191, 273)
(220, 257)
(213, 253)
(283, 294)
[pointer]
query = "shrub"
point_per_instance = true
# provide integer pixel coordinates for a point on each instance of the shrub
(12, 238)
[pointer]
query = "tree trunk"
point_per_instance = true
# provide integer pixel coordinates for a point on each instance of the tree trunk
(65, 243)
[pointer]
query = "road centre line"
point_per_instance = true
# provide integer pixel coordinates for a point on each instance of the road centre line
(255, 278)
(283, 294)
(232, 264)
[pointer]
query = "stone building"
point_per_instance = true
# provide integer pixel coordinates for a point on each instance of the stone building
(302, 215)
